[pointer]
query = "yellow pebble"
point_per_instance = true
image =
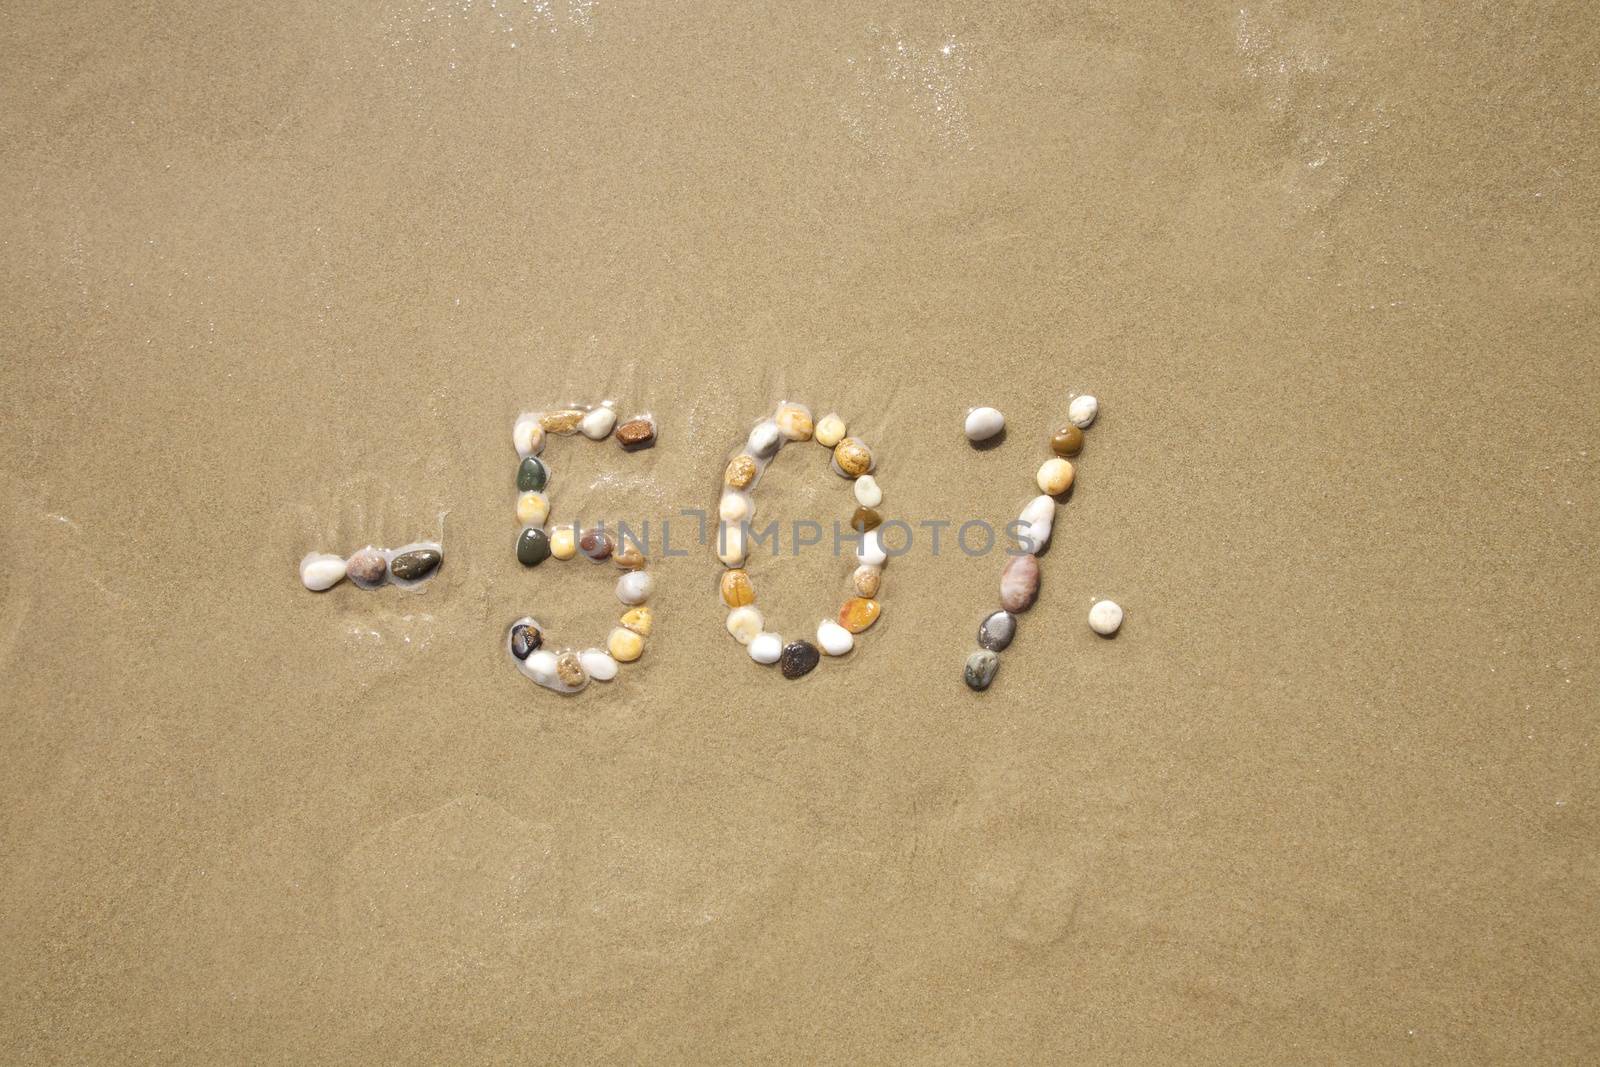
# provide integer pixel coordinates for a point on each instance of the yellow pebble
(638, 620)
(624, 645)
(741, 471)
(736, 589)
(563, 542)
(1055, 476)
(830, 431)
(533, 509)
(794, 422)
(561, 422)
(853, 457)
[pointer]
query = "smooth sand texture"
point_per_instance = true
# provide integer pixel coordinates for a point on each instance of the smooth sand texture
(279, 276)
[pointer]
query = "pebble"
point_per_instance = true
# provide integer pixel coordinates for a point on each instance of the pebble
(794, 422)
(799, 658)
(532, 475)
(744, 624)
(859, 613)
(995, 632)
(853, 458)
(597, 425)
(1055, 476)
(533, 546)
(564, 422)
(731, 547)
(527, 436)
(635, 587)
(834, 639)
(765, 439)
(638, 432)
(865, 519)
(624, 645)
(1105, 618)
(541, 667)
(319, 571)
(596, 545)
(1019, 583)
(367, 566)
(868, 494)
(525, 638)
(736, 589)
(867, 580)
(1037, 520)
(981, 669)
(533, 509)
(766, 648)
(984, 423)
(569, 669)
(639, 620)
(830, 431)
(871, 553)
(630, 558)
(599, 665)
(741, 471)
(734, 506)
(1082, 411)
(1067, 441)
(564, 541)
(415, 564)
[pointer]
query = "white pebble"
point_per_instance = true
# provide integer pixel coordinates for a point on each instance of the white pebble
(734, 506)
(834, 639)
(1105, 617)
(744, 624)
(541, 667)
(764, 440)
(596, 425)
(599, 665)
(731, 547)
(984, 423)
(766, 648)
(1081, 412)
(1037, 520)
(527, 436)
(321, 571)
(868, 495)
(635, 587)
(871, 552)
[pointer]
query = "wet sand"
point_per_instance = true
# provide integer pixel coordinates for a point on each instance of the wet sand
(278, 278)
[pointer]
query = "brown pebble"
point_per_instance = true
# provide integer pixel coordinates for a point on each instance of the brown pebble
(737, 591)
(570, 670)
(367, 565)
(562, 422)
(1019, 583)
(858, 613)
(637, 432)
(853, 457)
(629, 558)
(868, 580)
(596, 544)
(865, 519)
(1067, 441)
(741, 471)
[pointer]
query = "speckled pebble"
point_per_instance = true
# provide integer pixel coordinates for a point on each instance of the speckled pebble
(799, 658)
(570, 672)
(852, 457)
(638, 432)
(867, 580)
(367, 565)
(742, 470)
(415, 564)
(564, 422)
(982, 666)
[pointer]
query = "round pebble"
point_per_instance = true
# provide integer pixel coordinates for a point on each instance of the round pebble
(527, 436)
(1105, 618)
(794, 422)
(766, 648)
(415, 564)
(865, 519)
(1055, 476)
(570, 672)
(533, 546)
(734, 506)
(635, 587)
(799, 658)
(736, 589)
(1019, 583)
(532, 509)
(859, 613)
(624, 645)
(1067, 441)
(765, 439)
(996, 632)
(598, 424)
(984, 423)
(638, 432)
(596, 545)
(320, 571)
(731, 547)
(741, 471)
(852, 457)
(564, 541)
(639, 620)
(525, 639)
(830, 431)
(868, 494)
(867, 580)
(1082, 411)
(982, 666)
(564, 422)
(834, 639)
(367, 565)
(599, 665)
(532, 475)
(744, 624)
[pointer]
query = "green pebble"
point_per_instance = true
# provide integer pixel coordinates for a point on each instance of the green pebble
(532, 475)
(533, 547)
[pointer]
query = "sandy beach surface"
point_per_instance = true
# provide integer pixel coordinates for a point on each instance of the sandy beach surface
(277, 277)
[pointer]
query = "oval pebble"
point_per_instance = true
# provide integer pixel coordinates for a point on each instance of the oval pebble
(997, 631)
(570, 672)
(734, 506)
(525, 638)
(635, 587)
(744, 624)
(867, 580)
(597, 425)
(541, 667)
(852, 457)
(564, 422)
(596, 545)
(742, 470)
(564, 541)
(736, 589)
(981, 668)
(367, 566)
(1067, 441)
(799, 658)
(868, 493)
(533, 546)
(320, 571)
(731, 546)
(1082, 411)
(794, 422)
(766, 648)
(984, 423)
(1105, 618)
(871, 552)
(1019, 583)
(638, 432)
(599, 665)
(527, 436)
(1055, 476)
(764, 440)
(859, 613)
(1037, 520)
(533, 509)
(415, 564)
(532, 475)
(834, 639)
(624, 645)
(830, 431)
